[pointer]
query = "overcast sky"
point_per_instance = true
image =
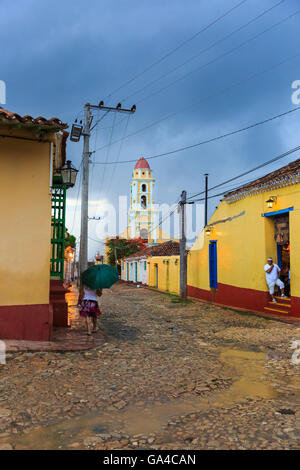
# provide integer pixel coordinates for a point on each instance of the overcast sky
(58, 55)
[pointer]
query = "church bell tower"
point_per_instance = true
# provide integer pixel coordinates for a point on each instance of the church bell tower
(143, 217)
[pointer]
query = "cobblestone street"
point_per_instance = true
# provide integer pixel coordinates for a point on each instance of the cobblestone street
(170, 375)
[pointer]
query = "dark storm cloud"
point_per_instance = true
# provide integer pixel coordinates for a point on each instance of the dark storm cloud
(56, 56)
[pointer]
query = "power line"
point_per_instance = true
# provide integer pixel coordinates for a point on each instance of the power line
(171, 211)
(120, 148)
(228, 181)
(213, 139)
(275, 159)
(95, 145)
(149, 67)
(195, 56)
(99, 120)
(107, 155)
(212, 95)
(218, 58)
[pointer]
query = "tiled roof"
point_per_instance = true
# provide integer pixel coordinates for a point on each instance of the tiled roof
(142, 164)
(285, 176)
(169, 248)
(9, 118)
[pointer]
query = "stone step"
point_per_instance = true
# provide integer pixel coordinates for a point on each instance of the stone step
(279, 305)
(276, 310)
(283, 300)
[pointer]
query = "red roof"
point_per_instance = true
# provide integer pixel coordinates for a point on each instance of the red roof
(7, 117)
(169, 248)
(142, 164)
(283, 176)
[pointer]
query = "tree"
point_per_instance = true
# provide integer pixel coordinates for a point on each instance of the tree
(118, 248)
(70, 240)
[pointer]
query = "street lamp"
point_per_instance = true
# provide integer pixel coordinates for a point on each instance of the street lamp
(208, 231)
(69, 174)
(271, 201)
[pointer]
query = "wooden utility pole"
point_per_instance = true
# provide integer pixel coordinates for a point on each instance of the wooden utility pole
(83, 254)
(183, 257)
(206, 199)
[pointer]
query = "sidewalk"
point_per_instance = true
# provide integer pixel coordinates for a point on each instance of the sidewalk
(73, 338)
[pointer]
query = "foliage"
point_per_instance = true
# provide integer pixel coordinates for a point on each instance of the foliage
(70, 240)
(118, 248)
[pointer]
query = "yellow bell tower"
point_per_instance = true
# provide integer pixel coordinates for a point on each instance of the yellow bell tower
(143, 217)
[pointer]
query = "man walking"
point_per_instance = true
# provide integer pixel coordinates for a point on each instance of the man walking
(272, 277)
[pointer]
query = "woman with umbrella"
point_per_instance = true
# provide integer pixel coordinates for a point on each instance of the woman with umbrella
(93, 280)
(89, 308)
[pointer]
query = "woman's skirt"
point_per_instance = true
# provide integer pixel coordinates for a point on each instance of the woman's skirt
(89, 308)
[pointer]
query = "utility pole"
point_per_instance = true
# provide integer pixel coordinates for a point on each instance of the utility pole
(83, 253)
(206, 199)
(86, 132)
(183, 257)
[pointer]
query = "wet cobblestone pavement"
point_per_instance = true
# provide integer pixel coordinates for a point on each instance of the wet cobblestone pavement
(170, 375)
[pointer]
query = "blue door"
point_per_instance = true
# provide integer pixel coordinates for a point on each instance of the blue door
(213, 279)
(279, 255)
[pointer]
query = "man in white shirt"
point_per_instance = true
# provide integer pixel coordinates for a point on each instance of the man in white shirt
(272, 277)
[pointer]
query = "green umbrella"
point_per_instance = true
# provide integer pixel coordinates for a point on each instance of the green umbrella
(100, 276)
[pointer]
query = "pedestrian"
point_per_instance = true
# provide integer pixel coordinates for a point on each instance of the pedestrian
(89, 308)
(272, 277)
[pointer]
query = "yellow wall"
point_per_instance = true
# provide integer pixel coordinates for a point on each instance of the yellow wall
(25, 221)
(245, 242)
(168, 268)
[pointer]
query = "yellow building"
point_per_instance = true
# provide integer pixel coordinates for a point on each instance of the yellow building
(156, 266)
(259, 220)
(30, 153)
(143, 217)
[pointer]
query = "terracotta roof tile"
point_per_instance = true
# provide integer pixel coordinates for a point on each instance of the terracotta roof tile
(142, 164)
(9, 118)
(286, 175)
(169, 248)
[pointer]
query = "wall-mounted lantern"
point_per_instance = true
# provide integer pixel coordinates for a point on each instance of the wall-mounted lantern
(69, 174)
(208, 230)
(271, 201)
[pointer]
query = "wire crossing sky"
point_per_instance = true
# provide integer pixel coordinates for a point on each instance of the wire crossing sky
(196, 70)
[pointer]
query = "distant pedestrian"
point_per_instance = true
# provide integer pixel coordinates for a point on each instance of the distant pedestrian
(89, 308)
(272, 277)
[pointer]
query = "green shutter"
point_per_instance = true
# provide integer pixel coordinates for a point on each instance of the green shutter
(58, 230)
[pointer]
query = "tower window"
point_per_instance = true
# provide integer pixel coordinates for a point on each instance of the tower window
(143, 202)
(144, 188)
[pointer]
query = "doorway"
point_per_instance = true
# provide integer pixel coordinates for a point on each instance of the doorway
(282, 238)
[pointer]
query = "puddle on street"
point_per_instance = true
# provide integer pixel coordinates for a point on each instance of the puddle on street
(246, 368)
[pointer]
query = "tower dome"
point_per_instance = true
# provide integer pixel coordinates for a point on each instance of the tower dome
(142, 164)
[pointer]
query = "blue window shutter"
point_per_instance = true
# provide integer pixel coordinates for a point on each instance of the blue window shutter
(213, 279)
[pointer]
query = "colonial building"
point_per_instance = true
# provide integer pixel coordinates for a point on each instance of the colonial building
(143, 217)
(155, 266)
(32, 153)
(258, 220)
